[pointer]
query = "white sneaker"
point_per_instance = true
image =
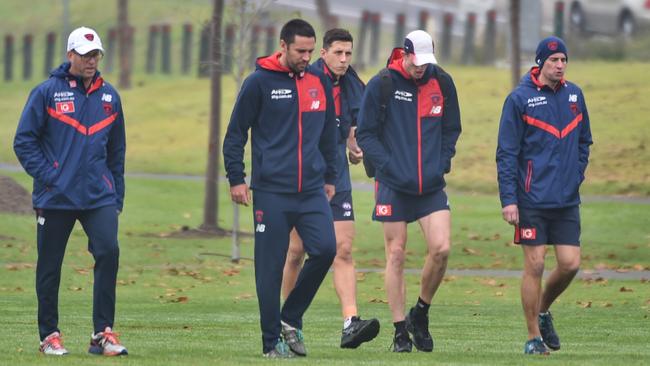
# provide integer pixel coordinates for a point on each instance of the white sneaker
(53, 345)
(106, 343)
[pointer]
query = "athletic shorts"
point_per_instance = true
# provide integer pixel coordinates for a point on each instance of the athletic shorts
(395, 206)
(548, 226)
(341, 205)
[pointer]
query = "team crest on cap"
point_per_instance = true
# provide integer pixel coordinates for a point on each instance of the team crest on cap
(552, 45)
(89, 36)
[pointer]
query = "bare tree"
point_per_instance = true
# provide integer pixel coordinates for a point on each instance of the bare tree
(125, 36)
(328, 20)
(515, 11)
(210, 206)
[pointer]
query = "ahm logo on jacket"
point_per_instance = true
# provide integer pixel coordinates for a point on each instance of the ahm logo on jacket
(281, 94)
(403, 95)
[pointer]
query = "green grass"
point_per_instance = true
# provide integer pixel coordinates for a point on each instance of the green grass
(177, 306)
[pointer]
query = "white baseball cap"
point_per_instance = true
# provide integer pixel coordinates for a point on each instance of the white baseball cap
(84, 40)
(420, 44)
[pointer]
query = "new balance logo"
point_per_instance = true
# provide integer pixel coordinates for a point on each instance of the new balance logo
(260, 228)
(315, 104)
(573, 98)
(436, 110)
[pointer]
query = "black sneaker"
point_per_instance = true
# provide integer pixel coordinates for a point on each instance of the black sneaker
(294, 339)
(418, 326)
(359, 331)
(402, 342)
(536, 346)
(549, 336)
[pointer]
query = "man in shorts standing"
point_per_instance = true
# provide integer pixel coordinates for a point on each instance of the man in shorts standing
(411, 147)
(542, 155)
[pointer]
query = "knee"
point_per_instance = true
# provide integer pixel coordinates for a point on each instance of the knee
(396, 255)
(440, 251)
(534, 266)
(344, 252)
(295, 257)
(570, 267)
(106, 252)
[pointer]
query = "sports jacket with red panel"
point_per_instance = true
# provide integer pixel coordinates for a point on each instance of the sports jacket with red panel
(347, 92)
(413, 148)
(293, 130)
(543, 147)
(72, 142)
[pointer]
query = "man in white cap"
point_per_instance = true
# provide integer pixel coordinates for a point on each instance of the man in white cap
(71, 140)
(409, 123)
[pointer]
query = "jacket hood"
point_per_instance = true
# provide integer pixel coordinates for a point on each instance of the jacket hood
(531, 79)
(395, 62)
(271, 63)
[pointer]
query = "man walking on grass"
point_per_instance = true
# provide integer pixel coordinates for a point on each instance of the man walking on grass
(290, 112)
(71, 140)
(347, 90)
(542, 155)
(409, 123)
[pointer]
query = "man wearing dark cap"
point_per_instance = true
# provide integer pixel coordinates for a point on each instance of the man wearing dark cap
(71, 140)
(409, 123)
(542, 155)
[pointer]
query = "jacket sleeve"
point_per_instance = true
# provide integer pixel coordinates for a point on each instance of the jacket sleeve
(116, 150)
(511, 131)
(451, 127)
(585, 140)
(369, 129)
(27, 144)
(328, 138)
(244, 114)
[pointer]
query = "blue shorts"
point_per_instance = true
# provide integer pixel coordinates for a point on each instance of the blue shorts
(394, 206)
(341, 205)
(548, 226)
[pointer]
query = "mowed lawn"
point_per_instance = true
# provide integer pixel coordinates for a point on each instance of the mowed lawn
(180, 304)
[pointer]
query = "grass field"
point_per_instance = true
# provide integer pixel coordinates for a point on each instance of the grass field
(179, 306)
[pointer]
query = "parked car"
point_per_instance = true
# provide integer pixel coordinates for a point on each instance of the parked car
(609, 17)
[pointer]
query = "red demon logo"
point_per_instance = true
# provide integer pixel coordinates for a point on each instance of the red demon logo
(552, 45)
(259, 215)
(89, 36)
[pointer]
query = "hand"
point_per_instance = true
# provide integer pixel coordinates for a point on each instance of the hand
(355, 155)
(330, 190)
(511, 214)
(240, 194)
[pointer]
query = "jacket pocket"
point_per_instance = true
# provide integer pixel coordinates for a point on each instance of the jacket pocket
(107, 182)
(529, 176)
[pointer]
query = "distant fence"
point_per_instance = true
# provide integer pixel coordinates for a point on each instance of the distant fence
(193, 51)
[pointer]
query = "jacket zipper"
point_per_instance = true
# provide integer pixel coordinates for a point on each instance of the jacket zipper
(299, 137)
(419, 142)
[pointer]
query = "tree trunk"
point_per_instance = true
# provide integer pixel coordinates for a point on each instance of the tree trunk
(515, 11)
(125, 37)
(210, 205)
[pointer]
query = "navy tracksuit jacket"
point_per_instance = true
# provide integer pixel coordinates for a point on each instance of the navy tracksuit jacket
(543, 148)
(412, 150)
(293, 133)
(347, 92)
(72, 142)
